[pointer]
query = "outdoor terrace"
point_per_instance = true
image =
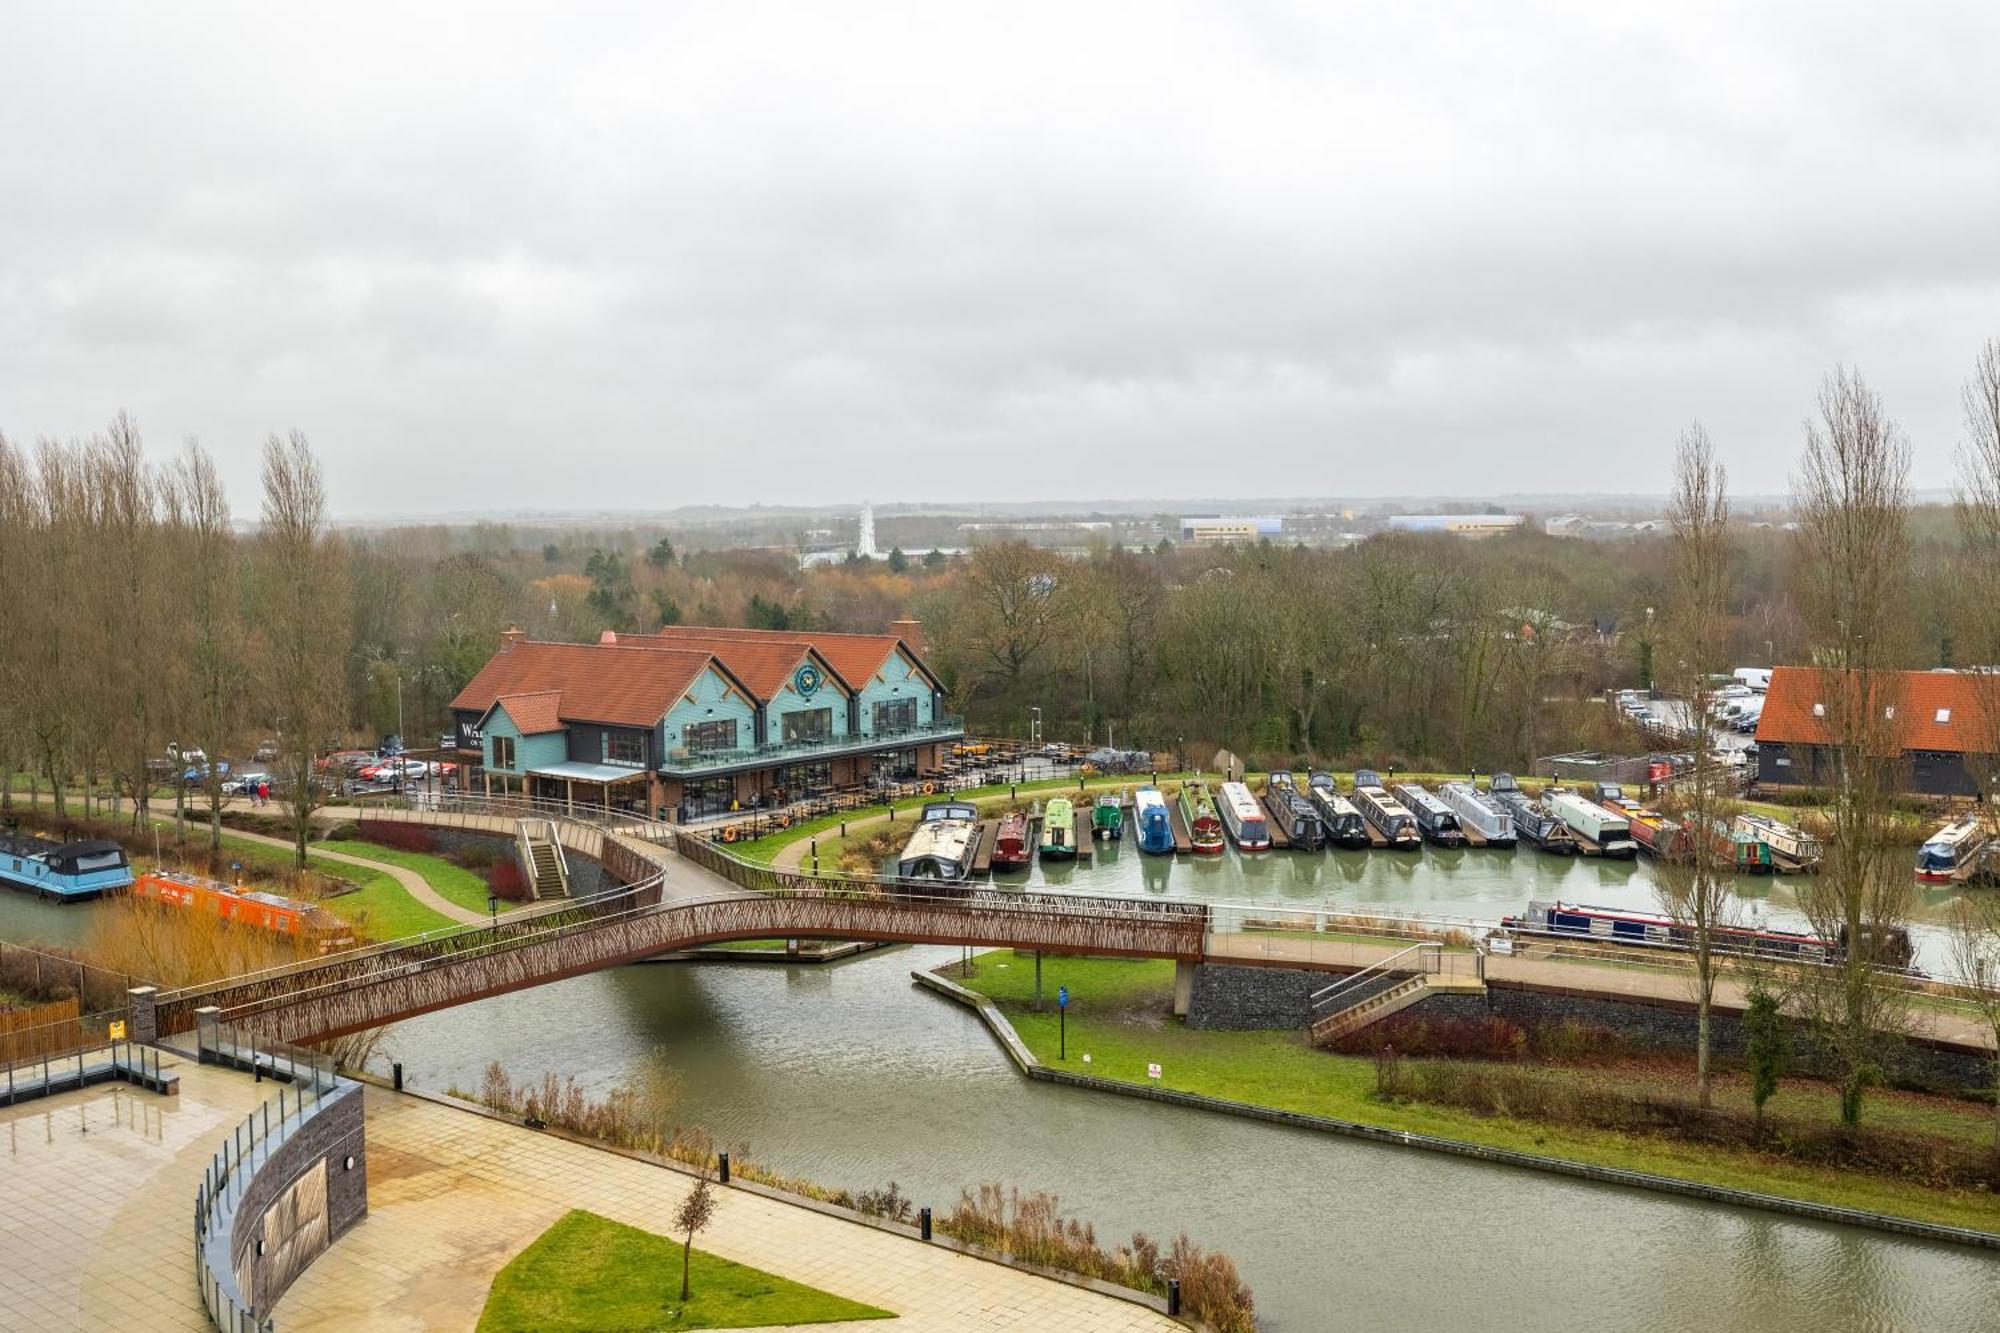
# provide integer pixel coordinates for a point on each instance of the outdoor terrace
(704, 763)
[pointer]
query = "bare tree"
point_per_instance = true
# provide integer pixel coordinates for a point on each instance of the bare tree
(1853, 554)
(697, 1210)
(14, 507)
(303, 598)
(127, 551)
(1975, 957)
(209, 580)
(1696, 890)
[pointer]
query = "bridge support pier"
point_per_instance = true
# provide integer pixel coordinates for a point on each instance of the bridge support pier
(1183, 988)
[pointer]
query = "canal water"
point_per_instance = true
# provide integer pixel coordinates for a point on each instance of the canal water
(850, 1075)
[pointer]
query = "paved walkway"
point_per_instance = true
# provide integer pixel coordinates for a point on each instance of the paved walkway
(413, 883)
(97, 1202)
(1531, 966)
(453, 1196)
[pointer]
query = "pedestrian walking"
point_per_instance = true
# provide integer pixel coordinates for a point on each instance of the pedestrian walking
(264, 792)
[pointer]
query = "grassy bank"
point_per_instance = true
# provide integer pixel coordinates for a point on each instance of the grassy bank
(1120, 1014)
(456, 884)
(588, 1273)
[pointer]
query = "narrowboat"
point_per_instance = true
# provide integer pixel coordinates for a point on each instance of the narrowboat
(263, 911)
(1616, 926)
(1953, 852)
(1150, 818)
(1343, 822)
(1058, 830)
(1474, 811)
(1244, 817)
(1203, 824)
(1385, 812)
(1611, 834)
(1785, 843)
(1296, 815)
(1107, 817)
(1746, 854)
(1435, 820)
(1531, 819)
(1010, 843)
(67, 871)
(1655, 834)
(941, 848)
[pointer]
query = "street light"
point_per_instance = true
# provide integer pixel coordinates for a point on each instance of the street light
(493, 907)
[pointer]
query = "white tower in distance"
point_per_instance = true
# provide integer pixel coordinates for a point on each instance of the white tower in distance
(864, 542)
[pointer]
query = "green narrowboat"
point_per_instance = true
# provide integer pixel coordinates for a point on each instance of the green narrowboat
(1107, 817)
(1058, 830)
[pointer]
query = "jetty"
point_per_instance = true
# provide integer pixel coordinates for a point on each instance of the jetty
(1183, 841)
(982, 849)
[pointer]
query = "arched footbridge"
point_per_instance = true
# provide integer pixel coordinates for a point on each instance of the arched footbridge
(691, 895)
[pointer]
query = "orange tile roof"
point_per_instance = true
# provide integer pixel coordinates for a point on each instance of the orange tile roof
(855, 658)
(1935, 710)
(535, 714)
(762, 660)
(625, 686)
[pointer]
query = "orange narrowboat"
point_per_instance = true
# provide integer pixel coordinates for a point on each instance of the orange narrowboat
(263, 911)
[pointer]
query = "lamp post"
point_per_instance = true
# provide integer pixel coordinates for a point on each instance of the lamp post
(1034, 725)
(493, 908)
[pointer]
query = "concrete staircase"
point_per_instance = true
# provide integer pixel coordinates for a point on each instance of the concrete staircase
(1331, 1027)
(1387, 986)
(542, 858)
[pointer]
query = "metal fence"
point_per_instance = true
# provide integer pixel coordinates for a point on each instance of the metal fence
(307, 1081)
(97, 1062)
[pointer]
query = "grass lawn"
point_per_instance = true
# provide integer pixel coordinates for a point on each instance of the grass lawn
(589, 1274)
(454, 882)
(1121, 1014)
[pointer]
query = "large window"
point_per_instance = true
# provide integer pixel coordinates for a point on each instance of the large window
(625, 747)
(503, 752)
(801, 779)
(717, 735)
(892, 715)
(811, 724)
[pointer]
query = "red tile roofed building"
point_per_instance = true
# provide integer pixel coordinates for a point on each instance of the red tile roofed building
(693, 720)
(1936, 720)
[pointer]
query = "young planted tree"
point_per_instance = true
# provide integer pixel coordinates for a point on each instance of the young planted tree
(1851, 572)
(304, 603)
(128, 561)
(697, 1210)
(1696, 889)
(1764, 1035)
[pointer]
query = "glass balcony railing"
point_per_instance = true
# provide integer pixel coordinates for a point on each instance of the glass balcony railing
(681, 762)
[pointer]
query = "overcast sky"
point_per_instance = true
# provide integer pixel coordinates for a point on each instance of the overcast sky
(671, 254)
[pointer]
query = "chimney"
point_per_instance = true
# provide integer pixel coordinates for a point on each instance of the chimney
(609, 636)
(910, 632)
(510, 636)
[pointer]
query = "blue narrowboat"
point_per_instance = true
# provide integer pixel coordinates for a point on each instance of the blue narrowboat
(69, 871)
(1149, 816)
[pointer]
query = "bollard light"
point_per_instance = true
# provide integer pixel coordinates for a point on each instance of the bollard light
(722, 1167)
(493, 907)
(397, 1069)
(1173, 1298)
(924, 1221)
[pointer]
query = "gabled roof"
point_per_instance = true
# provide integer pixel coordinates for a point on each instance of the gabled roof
(535, 714)
(763, 660)
(855, 658)
(596, 682)
(1934, 710)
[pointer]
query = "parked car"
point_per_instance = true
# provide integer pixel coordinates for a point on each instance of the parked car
(244, 783)
(267, 752)
(196, 774)
(395, 770)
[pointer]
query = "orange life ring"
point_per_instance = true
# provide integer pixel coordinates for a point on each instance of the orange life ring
(784, 821)
(930, 789)
(729, 834)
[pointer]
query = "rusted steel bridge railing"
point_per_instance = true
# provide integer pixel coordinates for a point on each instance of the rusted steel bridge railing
(378, 984)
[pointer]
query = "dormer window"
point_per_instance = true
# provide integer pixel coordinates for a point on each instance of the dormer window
(1943, 716)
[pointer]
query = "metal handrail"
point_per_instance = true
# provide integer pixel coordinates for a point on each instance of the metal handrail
(1432, 955)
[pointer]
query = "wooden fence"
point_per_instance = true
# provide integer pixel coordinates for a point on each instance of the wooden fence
(42, 1029)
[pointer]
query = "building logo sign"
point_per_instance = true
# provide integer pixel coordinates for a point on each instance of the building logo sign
(807, 680)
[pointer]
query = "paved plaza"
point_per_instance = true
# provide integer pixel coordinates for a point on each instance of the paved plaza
(97, 1213)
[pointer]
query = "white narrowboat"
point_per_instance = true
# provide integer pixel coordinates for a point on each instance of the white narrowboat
(1244, 817)
(1479, 814)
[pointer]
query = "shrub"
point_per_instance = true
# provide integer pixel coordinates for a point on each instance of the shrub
(476, 854)
(1487, 1038)
(507, 882)
(399, 837)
